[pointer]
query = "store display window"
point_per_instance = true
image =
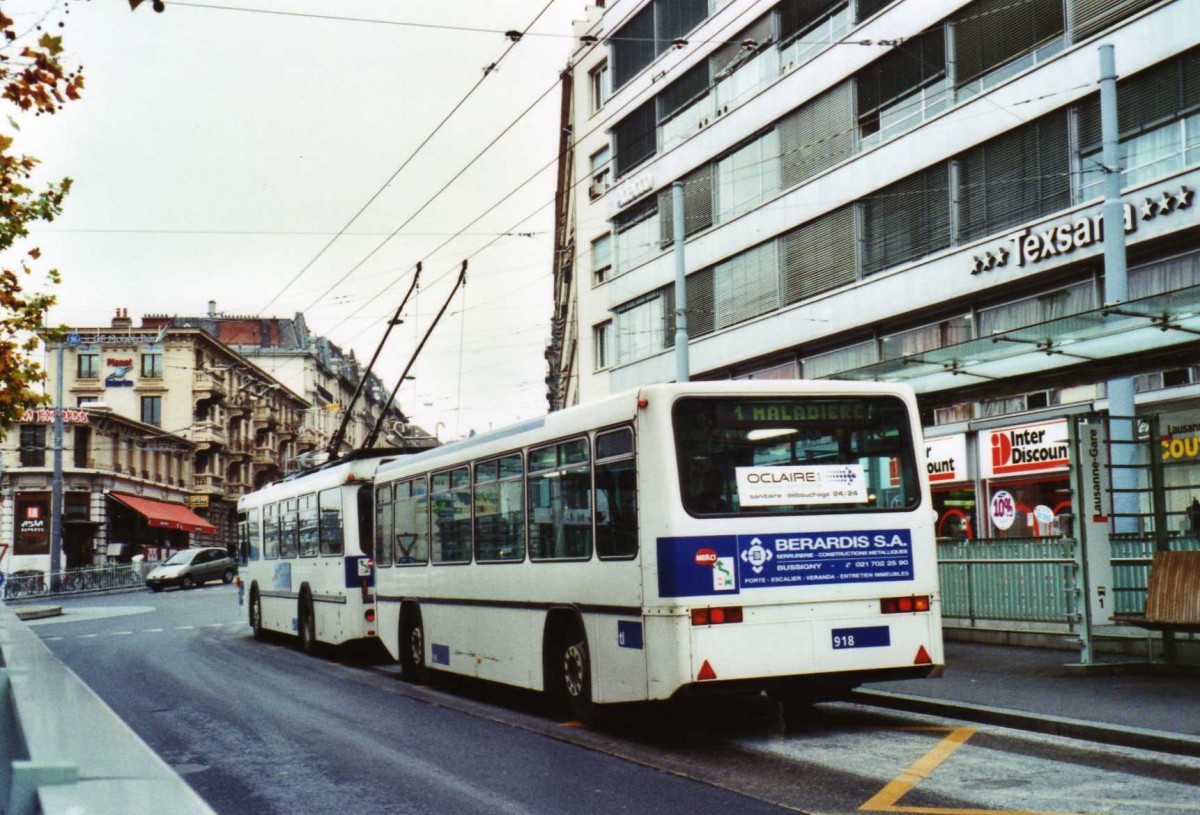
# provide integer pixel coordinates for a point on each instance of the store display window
(957, 517)
(1029, 508)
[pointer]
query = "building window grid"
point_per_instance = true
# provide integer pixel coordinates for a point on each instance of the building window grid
(1182, 148)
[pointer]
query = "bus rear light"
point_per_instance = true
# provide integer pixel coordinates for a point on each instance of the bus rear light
(923, 657)
(904, 605)
(369, 615)
(706, 672)
(716, 616)
(643, 403)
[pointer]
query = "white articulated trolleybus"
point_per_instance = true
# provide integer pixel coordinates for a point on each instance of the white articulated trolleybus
(305, 551)
(670, 541)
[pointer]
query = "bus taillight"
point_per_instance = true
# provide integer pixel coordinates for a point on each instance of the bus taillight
(716, 616)
(904, 605)
(369, 615)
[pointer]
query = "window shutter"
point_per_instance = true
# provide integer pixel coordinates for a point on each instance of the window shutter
(901, 71)
(819, 255)
(676, 18)
(632, 46)
(680, 93)
(907, 220)
(797, 15)
(635, 138)
(701, 305)
(1145, 99)
(1091, 16)
(746, 285)
(994, 32)
(697, 205)
(1013, 178)
(817, 135)
(868, 8)
(761, 31)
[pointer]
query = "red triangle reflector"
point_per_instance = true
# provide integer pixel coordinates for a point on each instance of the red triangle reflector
(923, 657)
(706, 672)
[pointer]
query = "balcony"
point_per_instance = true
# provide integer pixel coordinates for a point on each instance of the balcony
(265, 457)
(263, 415)
(207, 385)
(209, 482)
(208, 434)
(288, 431)
(239, 449)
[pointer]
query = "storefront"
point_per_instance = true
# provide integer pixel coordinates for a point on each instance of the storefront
(153, 529)
(1026, 476)
(950, 479)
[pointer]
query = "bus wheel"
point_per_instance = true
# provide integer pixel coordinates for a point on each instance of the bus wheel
(256, 622)
(577, 677)
(308, 625)
(412, 648)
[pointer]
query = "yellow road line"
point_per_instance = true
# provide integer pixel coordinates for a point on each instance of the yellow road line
(887, 799)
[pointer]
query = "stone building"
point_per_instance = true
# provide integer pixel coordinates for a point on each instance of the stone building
(126, 485)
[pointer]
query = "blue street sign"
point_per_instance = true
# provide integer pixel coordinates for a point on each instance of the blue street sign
(74, 339)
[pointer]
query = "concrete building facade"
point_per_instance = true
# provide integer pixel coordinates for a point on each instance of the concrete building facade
(894, 191)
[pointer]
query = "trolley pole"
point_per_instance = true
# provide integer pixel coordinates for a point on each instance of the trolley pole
(1116, 290)
(56, 489)
(682, 366)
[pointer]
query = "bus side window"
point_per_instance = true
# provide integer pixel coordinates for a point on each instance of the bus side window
(451, 494)
(330, 514)
(499, 510)
(253, 536)
(412, 522)
(560, 502)
(243, 549)
(384, 525)
(287, 528)
(307, 526)
(271, 531)
(616, 495)
(366, 517)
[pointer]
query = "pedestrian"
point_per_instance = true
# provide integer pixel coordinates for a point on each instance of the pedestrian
(1193, 514)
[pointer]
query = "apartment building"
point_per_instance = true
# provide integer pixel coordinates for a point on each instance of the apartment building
(126, 487)
(893, 191)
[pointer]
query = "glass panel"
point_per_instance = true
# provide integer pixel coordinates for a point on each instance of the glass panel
(271, 532)
(452, 526)
(287, 530)
(331, 521)
(561, 515)
(307, 532)
(384, 525)
(543, 459)
(616, 443)
(500, 521)
(412, 523)
(485, 472)
(616, 502)
(573, 452)
(860, 446)
(254, 533)
(510, 467)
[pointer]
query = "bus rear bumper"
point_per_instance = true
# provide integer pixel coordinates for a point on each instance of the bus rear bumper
(810, 687)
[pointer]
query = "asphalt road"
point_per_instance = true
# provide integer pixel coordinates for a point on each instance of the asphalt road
(261, 728)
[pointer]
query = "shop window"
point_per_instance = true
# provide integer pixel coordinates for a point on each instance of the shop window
(87, 366)
(949, 414)
(1033, 508)
(83, 443)
(957, 518)
(33, 445)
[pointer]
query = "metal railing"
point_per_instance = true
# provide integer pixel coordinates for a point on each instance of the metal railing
(31, 584)
(1131, 557)
(1009, 579)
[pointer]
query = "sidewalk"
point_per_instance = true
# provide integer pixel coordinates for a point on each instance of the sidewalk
(1030, 688)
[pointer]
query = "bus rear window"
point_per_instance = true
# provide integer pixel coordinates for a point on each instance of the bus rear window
(795, 455)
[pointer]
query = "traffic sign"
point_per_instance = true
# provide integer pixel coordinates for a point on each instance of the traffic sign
(74, 339)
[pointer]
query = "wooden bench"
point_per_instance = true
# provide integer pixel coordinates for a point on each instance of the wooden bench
(1173, 596)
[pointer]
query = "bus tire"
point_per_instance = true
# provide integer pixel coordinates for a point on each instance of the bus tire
(412, 646)
(256, 618)
(307, 624)
(576, 675)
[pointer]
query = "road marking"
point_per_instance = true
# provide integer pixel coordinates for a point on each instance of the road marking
(152, 630)
(120, 633)
(214, 625)
(52, 639)
(887, 799)
(185, 627)
(88, 636)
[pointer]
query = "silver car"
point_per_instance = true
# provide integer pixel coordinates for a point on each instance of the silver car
(193, 567)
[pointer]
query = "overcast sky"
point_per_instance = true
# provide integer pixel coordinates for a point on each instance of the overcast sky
(215, 152)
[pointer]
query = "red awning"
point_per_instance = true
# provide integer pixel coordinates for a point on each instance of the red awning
(164, 515)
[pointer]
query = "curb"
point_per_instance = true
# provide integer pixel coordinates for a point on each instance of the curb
(38, 612)
(1136, 737)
